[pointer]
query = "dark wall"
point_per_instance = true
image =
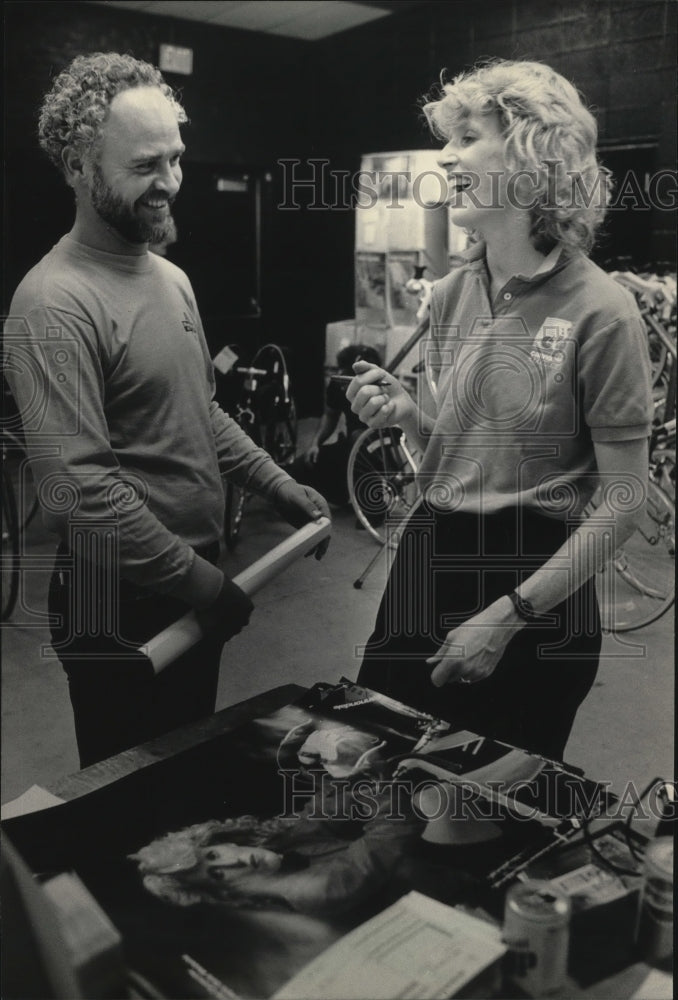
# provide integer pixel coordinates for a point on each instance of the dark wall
(620, 53)
(249, 101)
(255, 99)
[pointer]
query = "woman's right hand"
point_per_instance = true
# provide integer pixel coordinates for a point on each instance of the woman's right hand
(378, 405)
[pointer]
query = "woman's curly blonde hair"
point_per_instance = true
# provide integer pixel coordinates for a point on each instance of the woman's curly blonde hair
(165, 863)
(548, 131)
(76, 107)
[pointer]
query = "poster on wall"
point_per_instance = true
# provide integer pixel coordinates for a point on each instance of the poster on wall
(370, 289)
(402, 304)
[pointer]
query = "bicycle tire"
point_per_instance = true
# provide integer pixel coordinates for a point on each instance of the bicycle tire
(272, 358)
(279, 436)
(637, 586)
(10, 546)
(381, 481)
(234, 509)
(275, 405)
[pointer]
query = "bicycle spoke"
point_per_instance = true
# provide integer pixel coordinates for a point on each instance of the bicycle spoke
(381, 481)
(642, 587)
(638, 586)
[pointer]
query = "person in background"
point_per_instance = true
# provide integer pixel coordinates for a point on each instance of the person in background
(541, 371)
(106, 358)
(324, 465)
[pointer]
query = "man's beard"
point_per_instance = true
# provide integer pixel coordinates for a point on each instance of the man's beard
(123, 218)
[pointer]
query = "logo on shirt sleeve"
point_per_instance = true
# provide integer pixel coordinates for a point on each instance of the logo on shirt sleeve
(188, 324)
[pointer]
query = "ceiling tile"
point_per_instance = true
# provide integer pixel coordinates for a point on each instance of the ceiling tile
(328, 18)
(193, 10)
(304, 19)
(260, 15)
(129, 4)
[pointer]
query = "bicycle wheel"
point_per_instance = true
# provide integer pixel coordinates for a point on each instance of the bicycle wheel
(271, 357)
(279, 435)
(637, 586)
(381, 480)
(10, 546)
(234, 508)
(275, 405)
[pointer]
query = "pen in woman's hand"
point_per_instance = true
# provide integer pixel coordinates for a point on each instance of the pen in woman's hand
(345, 379)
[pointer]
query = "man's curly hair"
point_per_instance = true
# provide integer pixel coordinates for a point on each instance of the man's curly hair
(76, 107)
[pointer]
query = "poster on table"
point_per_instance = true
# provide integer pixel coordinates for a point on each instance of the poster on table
(242, 859)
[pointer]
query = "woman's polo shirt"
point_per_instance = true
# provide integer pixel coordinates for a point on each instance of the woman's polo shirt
(527, 383)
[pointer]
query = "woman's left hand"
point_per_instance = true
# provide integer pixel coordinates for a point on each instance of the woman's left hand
(471, 651)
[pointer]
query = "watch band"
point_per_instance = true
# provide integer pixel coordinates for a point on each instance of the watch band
(524, 608)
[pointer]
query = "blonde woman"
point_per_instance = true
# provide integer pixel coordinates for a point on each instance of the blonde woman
(542, 393)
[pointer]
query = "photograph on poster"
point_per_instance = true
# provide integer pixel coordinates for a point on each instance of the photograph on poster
(254, 852)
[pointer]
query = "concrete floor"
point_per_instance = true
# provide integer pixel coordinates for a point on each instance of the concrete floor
(308, 625)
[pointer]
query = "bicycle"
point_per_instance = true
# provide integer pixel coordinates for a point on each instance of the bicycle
(642, 588)
(656, 299)
(381, 470)
(262, 403)
(381, 476)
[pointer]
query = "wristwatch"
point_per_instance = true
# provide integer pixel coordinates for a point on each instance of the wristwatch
(524, 608)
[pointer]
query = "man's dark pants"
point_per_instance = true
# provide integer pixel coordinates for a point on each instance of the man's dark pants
(118, 701)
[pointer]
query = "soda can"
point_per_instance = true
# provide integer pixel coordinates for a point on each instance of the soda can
(654, 935)
(537, 933)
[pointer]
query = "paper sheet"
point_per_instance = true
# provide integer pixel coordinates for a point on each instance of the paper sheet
(33, 799)
(418, 948)
(657, 986)
(225, 360)
(590, 886)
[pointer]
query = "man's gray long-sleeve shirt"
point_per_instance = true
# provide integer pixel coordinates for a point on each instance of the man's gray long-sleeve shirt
(106, 358)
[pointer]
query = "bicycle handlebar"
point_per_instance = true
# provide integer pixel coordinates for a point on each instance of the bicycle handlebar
(657, 290)
(251, 371)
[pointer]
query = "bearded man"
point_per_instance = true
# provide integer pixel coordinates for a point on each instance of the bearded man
(106, 358)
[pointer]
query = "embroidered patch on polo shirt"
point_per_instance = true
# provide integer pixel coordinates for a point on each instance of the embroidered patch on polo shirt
(550, 340)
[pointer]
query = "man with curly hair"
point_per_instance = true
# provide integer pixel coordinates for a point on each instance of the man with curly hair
(540, 369)
(108, 362)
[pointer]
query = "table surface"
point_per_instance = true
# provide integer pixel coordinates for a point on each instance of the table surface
(129, 761)
(620, 986)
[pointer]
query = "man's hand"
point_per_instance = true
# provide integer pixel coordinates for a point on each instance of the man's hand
(300, 504)
(471, 652)
(229, 613)
(379, 405)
